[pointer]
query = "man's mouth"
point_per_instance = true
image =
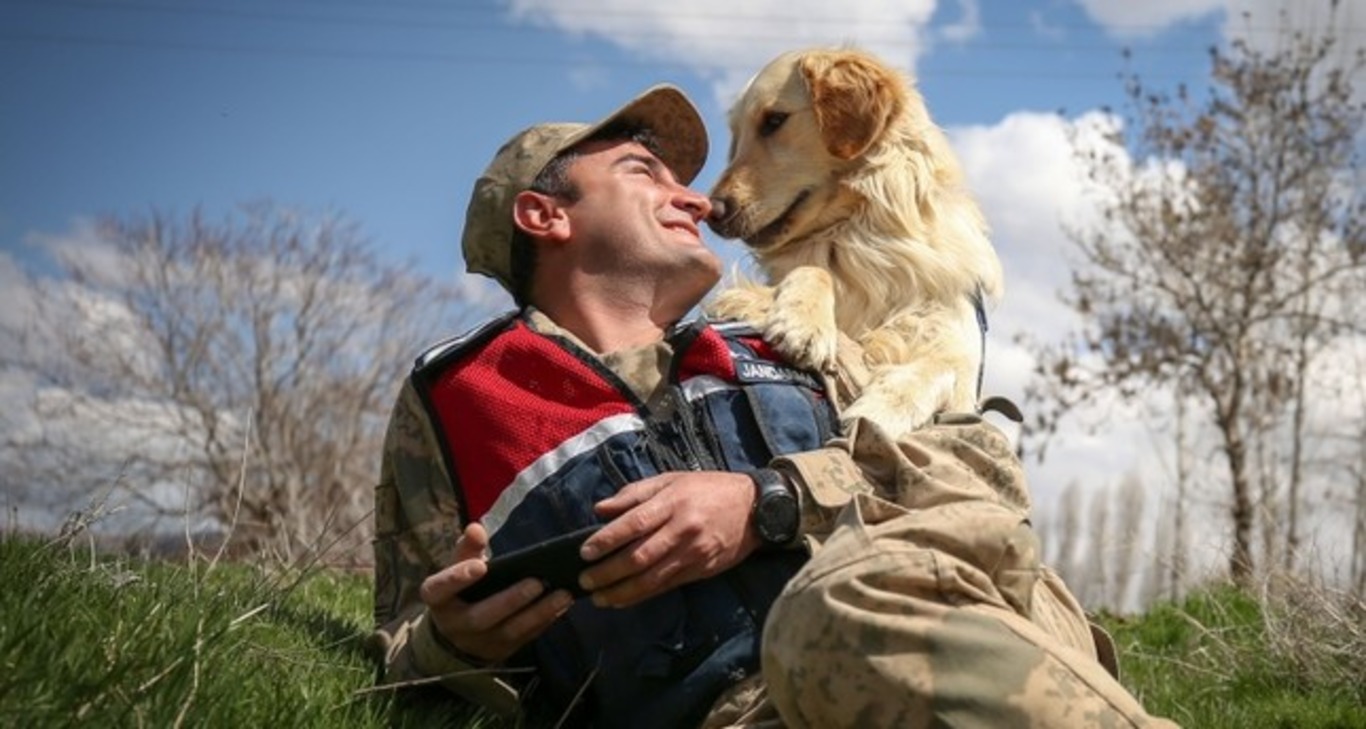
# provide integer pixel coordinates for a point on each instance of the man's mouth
(686, 227)
(765, 236)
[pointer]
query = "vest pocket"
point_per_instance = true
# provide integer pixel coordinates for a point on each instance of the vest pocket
(625, 460)
(785, 418)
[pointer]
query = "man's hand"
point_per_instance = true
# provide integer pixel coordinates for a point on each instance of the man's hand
(672, 529)
(494, 628)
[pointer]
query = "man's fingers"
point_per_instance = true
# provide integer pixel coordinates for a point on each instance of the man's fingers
(628, 562)
(665, 575)
(496, 608)
(472, 543)
(442, 587)
(641, 521)
(496, 627)
(632, 495)
(469, 566)
(527, 624)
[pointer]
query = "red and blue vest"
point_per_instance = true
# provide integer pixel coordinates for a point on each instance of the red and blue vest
(536, 430)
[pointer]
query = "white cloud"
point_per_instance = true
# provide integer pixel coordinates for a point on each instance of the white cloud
(1129, 19)
(728, 43)
(1264, 24)
(16, 305)
(968, 26)
(1024, 175)
(82, 243)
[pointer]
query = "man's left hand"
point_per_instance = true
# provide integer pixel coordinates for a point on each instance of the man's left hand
(670, 529)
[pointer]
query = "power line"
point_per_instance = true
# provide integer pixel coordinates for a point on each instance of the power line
(989, 46)
(457, 58)
(497, 25)
(898, 40)
(730, 15)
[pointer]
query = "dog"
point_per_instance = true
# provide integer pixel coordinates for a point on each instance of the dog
(854, 206)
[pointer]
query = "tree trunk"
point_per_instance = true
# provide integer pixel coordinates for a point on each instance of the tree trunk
(1241, 563)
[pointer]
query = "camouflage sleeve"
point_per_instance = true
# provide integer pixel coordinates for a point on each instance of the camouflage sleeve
(929, 602)
(960, 457)
(417, 522)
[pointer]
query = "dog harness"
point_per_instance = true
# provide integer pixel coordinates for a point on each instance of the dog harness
(535, 430)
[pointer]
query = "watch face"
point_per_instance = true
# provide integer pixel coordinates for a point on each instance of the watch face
(776, 518)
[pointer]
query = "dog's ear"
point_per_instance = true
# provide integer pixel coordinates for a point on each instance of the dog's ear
(854, 98)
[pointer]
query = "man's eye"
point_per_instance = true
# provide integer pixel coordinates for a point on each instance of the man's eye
(771, 122)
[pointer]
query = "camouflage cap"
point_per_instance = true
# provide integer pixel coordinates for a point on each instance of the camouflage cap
(663, 109)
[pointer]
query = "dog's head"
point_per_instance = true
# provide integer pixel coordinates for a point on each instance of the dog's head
(801, 127)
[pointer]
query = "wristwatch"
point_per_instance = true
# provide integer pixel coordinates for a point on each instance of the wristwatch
(776, 515)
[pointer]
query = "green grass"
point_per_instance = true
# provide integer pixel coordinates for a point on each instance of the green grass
(110, 641)
(1222, 658)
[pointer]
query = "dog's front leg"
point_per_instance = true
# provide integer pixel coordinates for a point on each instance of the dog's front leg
(745, 301)
(903, 397)
(802, 323)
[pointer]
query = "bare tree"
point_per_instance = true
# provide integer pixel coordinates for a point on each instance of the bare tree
(1153, 584)
(1062, 544)
(242, 370)
(1358, 562)
(1177, 545)
(1128, 536)
(1095, 581)
(1225, 254)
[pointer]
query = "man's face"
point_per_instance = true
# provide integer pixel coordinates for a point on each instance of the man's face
(632, 219)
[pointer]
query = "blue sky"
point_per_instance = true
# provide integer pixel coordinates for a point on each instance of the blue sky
(387, 111)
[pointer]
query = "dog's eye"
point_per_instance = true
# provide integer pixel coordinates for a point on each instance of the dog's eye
(771, 122)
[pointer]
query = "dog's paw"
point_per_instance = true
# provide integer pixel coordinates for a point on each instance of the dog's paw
(748, 303)
(800, 341)
(896, 422)
(802, 323)
(903, 398)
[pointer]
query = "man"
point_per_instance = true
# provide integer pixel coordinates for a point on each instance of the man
(712, 465)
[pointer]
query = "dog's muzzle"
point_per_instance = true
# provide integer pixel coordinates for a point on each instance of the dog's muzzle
(723, 217)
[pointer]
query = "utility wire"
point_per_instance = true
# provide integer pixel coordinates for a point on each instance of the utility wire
(493, 12)
(476, 59)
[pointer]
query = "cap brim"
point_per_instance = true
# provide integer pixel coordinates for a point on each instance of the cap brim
(677, 125)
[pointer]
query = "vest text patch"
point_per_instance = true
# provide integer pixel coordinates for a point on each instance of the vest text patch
(750, 371)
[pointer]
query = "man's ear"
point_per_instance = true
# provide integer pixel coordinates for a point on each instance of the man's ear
(854, 98)
(540, 216)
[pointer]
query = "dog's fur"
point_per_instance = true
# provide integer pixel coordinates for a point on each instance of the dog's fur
(854, 206)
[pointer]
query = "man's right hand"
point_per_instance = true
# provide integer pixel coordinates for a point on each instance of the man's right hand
(495, 628)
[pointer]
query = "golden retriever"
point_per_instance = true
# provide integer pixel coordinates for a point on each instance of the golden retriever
(854, 206)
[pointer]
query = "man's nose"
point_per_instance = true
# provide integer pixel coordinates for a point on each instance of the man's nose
(697, 204)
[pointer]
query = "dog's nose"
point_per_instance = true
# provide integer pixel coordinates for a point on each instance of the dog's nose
(721, 208)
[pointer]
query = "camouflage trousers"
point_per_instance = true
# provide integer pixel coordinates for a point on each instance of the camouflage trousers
(930, 617)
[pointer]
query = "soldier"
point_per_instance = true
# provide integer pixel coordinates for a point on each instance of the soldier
(756, 567)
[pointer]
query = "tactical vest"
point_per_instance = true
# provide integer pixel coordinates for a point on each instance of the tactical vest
(536, 430)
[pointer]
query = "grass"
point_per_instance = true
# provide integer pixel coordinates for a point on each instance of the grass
(111, 641)
(1227, 658)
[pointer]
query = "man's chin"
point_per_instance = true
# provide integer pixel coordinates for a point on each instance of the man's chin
(691, 284)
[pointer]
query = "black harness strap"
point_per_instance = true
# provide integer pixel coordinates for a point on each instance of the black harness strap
(980, 307)
(998, 403)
